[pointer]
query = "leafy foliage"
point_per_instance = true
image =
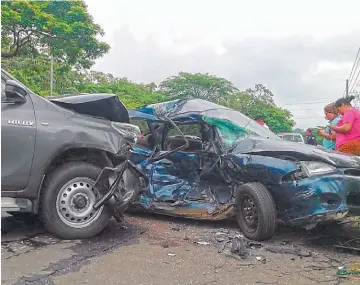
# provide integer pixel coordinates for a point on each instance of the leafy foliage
(63, 29)
(261, 93)
(278, 119)
(32, 31)
(133, 95)
(34, 72)
(203, 86)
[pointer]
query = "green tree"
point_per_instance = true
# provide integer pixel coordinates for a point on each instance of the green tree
(298, 131)
(63, 29)
(278, 119)
(132, 95)
(98, 77)
(203, 86)
(261, 93)
(34, 72)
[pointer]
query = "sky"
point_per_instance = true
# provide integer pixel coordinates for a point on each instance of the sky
(303, 51)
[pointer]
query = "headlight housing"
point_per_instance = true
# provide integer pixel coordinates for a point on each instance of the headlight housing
(316, 167)
(128, 131)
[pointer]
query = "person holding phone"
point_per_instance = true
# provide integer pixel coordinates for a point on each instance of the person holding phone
(329, 136)
(348, 128)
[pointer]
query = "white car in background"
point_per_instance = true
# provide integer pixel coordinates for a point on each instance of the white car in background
(294, 137)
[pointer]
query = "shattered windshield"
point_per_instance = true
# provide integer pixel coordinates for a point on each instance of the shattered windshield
(233, 126)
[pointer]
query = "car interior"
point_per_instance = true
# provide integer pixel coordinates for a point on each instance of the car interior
(173, 138)
(198, 136)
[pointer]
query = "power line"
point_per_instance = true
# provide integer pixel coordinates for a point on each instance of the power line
(354, 68)
(349, 80)
(355, 82)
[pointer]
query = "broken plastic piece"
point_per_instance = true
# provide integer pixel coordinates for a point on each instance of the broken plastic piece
(202, 242)
(238, 247)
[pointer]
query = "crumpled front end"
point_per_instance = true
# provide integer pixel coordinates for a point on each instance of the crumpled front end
(319, 198)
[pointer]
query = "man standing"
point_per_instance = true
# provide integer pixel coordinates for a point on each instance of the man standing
(310, 138)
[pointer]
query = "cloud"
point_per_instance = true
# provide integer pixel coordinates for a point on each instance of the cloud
(298, 69)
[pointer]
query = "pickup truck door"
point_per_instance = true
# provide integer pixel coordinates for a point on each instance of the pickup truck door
(18, 134)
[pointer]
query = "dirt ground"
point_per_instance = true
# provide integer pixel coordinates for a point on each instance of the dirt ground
(158, 250)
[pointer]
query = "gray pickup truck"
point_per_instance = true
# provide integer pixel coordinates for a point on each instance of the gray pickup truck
(52, 153)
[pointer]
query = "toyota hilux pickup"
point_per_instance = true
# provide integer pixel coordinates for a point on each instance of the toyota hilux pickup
(52, 153)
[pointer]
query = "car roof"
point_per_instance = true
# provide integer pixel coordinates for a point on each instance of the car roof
(175, 108)
(288, 134)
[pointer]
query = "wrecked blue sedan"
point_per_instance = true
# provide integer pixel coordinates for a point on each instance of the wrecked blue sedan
(206, 161)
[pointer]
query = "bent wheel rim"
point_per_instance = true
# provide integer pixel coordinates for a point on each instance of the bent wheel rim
(74, 203)
(248, 213)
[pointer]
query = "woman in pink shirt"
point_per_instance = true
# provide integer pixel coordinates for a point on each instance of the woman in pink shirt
(348, 128)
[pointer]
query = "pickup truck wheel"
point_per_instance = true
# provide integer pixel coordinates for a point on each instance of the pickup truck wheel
(255, 211)
(67, 200)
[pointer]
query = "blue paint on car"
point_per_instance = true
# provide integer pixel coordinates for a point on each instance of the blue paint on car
(235, 150)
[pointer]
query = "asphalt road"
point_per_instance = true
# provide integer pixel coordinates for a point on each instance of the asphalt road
(157, 250)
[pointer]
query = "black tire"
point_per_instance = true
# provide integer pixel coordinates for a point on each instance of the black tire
(265, 211)
(48, 200)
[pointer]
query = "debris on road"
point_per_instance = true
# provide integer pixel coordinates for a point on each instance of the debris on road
(220, 236)
(202, 242)
(289, 250)
(222, 248)
(238, 247)
(347, 248)
(352, 245)
(237, 240)
(262, 259)
(353, 269)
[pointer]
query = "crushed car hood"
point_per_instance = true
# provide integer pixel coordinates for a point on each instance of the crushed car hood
(276, 148)
(106, 106)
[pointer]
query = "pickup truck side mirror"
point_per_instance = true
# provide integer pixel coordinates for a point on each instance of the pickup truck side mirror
(14, 92)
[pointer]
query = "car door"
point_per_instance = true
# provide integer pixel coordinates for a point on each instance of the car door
(170, 178)
(176, 176)
(173, 178)
(18, 133)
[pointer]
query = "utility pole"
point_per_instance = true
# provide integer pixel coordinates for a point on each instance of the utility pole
(347, 88)
(51, 75)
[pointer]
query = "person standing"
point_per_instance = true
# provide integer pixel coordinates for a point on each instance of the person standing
(310, 138)
(348, 128)
(261, 121)
(329, 136)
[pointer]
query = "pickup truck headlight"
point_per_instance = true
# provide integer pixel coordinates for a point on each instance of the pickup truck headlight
(316, 167)
(128, 131)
